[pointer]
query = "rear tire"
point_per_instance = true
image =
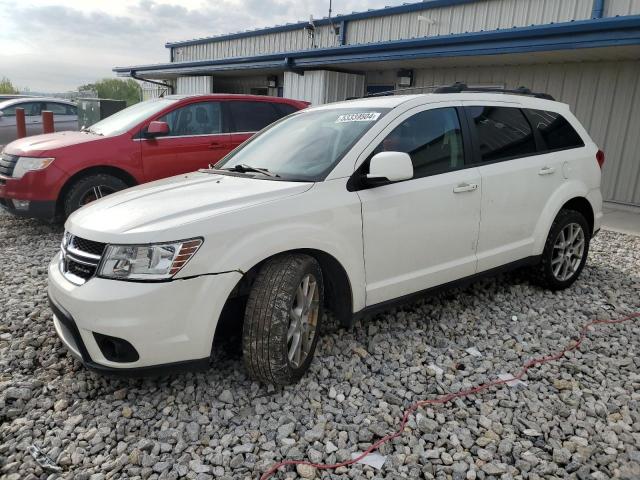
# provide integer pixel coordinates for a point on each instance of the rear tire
(282, 319)
(565, 251)
(90, 188)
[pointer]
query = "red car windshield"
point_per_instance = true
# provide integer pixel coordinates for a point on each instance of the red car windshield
(120, 122)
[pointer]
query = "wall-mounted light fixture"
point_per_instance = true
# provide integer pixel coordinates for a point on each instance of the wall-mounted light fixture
(405, 78)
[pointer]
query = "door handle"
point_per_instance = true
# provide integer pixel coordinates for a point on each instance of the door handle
(546, 171)
(465, 187)
(215, 146)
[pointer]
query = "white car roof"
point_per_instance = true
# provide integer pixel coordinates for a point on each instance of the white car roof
(13, 101)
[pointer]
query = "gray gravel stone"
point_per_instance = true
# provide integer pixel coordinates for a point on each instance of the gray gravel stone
(579, 419)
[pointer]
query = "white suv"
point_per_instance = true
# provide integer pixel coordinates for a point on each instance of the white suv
(349, 206)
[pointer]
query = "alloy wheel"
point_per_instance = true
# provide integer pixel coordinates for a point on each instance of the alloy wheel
(568, 251)
(303, 321)
(95, 193)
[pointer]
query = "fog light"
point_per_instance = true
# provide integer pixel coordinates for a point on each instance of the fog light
(116, 349)
(21, 204)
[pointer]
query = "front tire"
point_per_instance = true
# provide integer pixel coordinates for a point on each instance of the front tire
(282, 319)
(565, 251)
(90, 188)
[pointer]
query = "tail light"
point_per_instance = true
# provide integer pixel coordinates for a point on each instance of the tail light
(600, 158)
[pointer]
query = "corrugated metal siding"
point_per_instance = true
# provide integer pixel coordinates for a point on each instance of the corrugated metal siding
(150, 90)
(193, 85)
(605, 96)
(322, 86)
(470, 17)
(339, 86)
(622, 7)
(260, 44)
(308, 87)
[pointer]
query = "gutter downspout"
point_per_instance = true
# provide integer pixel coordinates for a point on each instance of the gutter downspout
(167, 85)
(598, 9)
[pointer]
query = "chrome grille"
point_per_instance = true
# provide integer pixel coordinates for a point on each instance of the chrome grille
(7, 164)
(80, 258)
(88, 246)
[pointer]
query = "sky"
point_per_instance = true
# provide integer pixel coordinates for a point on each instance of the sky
(58, 45)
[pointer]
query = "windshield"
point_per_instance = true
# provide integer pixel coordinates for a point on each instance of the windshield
(123, 120)
(304, 146)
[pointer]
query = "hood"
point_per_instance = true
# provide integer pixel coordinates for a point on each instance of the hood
(43, 144)
(157, 207)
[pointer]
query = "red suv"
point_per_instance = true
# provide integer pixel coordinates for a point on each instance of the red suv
(50, 176)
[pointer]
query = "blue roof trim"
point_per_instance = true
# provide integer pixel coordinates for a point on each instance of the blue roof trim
(560, 36)
(406, 8)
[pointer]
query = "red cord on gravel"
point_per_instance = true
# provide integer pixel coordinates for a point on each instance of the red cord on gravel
(572, 345)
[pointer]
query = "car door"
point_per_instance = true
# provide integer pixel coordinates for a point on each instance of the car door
(422, 232)
(196, 138)
(64, 116)
(517, 181)
(248, 117)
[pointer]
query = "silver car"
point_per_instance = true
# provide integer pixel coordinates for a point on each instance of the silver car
(65, 116)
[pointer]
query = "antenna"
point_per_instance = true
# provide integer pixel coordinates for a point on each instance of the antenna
(311, 31)
(336, 30)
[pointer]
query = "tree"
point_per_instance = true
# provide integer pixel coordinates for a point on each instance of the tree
(116, 89)
(7, 87)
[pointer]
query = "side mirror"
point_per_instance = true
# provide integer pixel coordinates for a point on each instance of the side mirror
(389, 167)
(157, 129)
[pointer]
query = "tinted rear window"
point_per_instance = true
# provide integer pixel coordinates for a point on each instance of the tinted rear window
(284, 109)
(252, 116)
(502, 133)
(556, 132)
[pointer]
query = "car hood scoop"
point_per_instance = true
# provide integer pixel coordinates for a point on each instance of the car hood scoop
(162, 205)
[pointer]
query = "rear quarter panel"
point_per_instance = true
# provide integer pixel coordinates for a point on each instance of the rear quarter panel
(582, 176)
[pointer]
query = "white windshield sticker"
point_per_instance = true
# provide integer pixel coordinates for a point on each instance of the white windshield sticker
(358, 117)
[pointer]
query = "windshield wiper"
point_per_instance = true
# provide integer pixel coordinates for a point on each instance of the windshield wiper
(243, 168)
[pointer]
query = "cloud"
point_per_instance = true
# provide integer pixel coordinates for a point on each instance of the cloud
(55, 47)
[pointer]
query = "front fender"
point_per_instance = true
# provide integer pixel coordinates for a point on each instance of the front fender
(326, 218)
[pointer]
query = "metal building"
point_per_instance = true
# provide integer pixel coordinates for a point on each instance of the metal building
(583, 52)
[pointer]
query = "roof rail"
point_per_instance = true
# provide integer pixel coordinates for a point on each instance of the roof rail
(462, 87)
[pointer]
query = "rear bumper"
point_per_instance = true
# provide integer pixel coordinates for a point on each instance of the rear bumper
(595, 199)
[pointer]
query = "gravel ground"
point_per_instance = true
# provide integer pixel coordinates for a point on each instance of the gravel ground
(579, 419)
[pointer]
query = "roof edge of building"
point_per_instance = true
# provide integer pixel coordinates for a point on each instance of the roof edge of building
(594, 30)
(372, 13)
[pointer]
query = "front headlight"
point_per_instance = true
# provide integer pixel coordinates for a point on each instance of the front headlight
(28, 164)
(147, 262)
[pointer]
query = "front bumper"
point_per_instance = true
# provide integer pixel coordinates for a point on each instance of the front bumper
(44, 210)
(40, 188)
(170, 324)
